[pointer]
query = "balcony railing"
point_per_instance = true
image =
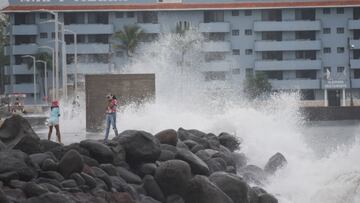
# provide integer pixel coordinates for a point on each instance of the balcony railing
(296, 64)
(215, 27)
(149, 28)
(299, 25)
(91, 28)
(296, 84)
(290, 45)
(217, 46)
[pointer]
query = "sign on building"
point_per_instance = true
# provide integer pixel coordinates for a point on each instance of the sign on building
(335, 84)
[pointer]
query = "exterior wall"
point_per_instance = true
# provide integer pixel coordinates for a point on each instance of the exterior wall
(128, 88)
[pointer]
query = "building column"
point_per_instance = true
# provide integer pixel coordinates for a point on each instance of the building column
(325, 97)
(343, 97)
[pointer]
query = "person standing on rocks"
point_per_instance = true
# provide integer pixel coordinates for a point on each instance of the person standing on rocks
(110, 115)
(54, 120)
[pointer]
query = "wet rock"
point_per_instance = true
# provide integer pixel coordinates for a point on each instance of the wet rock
(32, 189)
(181, 145)
(16, 184)
(19, 162)
(147, 169)
(119, 153)
(190, 143)
(14, 195)
(167, 137)
(122, 197)
(173, 176)
(152, 188)
(16, 133)
(98, 151)
(3, 198)
(2, 146)
(70, 163)
(197, 165)
(253, 174)
(6, 177)
(78, 179)
(90, 161)
(90, 181)
(50, 198)
(128, 176)
(239, 159)
(276, 162)
(49, 165)
(70, 183)
(168, 147)
(259, 195)
(267, 198)
(109, 169)
(166, 155)
(118, 183)
(232, 185)
(39, 158)
(174, 199)
(216, 164)
(51, 175)
(49, 181)
(47, 145)
(198, 137)
(197, 148)
(140, 146)
(147, 199)
(50, 187)
(201, 190)
(229, 141)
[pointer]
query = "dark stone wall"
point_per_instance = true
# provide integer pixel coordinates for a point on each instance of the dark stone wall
(128, 88)
(331, 113)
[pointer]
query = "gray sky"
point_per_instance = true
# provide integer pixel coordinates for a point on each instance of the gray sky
(3, 3)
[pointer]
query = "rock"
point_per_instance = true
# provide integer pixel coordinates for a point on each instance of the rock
(50, 187)
(32, 189)
(16, 184)
(19, 162)
(174, 199)
(147, 169)
(139, 146)
(253, 174)
(90, 181)
(216, 164)
(239, 159)
(147, 199)
(167, 137)
(181, 145)
(121, 197)
(51, 175)
(229, 141)
(49, 181)
(2, 146)
(109, 169)
(3, 198)
(276, 162)
(16, 133)
(50, 198)
(98, 151)
(49, 165)
(14, 195)
(190, 143)
(173, 176)
(166, 155)
(232, 185)
(90, 161)
(128, 176)
(171, 148)
(201, 190)
(102, 175)
(118, 183)
(199, 137)
(197, 165)
(119, 153)
(6, 177)
(47, 145)
(39, 158)
(70, 163)
(78, 178)
(70, 183)
(197, 148)
(259, 195)
(267, 198)
(152, 188)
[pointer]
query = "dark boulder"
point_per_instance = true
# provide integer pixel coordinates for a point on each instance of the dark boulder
(174, 199)
(14, 195)
(166, 155)
(16, 133)
(39, 158)
(229, 141)
(128, 176)
(17, 184)
(50, 198)
(232, 185)
(3, 198)
(276, 162)
(121, 197)
(98, 151)
(49, 181)
(267, 198)
(19, 162)
(109, 169)
(216, 164)
(49, 165)
(119, 183)
(50, 187)
(152, 188)
(70, 183)
(167, 137)
(259, 195)
(173, 176)
(239, 159)
(6, 177)
(253, 174)
(119, 153)
(201, 190)
(47, 145)
(197, 148)
(147, 169)
(90, 161)
(197, 165)
(140, 146)
(168, 147)
(89, 180)
(78, 178)
(32, 189)
(70, 163)
(198, 136)
(51, 175)
(190, 143)
(2, 146)
(147, 199)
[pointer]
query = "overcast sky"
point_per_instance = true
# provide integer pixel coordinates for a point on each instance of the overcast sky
(3, 3)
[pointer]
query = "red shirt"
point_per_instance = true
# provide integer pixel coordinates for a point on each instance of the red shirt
(111, 108)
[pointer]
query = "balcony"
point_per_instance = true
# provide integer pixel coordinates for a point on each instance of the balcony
(301, 25)
(22, 49)
(18, 70)
(292, 45)
(355, 43)
(264, 65)
(354, 24)
(24, 29)
(91, 68)
(24, 88)
(215, 27)
(149, 28)
(216, 66)
(217, 46)
(91, 28)
(295, 84)
(355, 83)
(94, 48)
(355, 63)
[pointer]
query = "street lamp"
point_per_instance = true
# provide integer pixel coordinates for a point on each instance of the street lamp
(350, 47)
(53, 69)
(75, 60)
(34, 64)
(45, 78)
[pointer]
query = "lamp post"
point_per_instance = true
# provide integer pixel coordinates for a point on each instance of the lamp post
(350, 47)
(34, 64)
(53, 69)
(45, 78)
(75, 60)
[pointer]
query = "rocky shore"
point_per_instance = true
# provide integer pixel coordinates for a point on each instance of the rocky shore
(183, 166)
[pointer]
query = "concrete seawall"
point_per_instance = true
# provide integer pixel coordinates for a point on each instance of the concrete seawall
(331, 113)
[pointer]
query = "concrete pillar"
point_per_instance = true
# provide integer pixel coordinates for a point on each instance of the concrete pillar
(343, 97)
(325, 97)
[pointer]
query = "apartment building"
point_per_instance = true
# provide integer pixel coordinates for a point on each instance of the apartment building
(308, 45)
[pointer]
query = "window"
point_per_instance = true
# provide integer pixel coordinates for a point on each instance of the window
(235, 12)
(326, 11)
(75, 18)
(327, 69)
(98, 18)
(356, 73)
(248, 12)
(43, 35)
(43, 15)
(326, 30)
(119, 14)
(130, 14)
(213, 16)
(309, 55)
(147, 17)
(339, 10)
(236, 71)
(356, 34)
(340, 69)
(24, 18)
(272, 55)
(100, 38)
(214, 56)
(356, 13)
(236, 51)
(25, 39)
(215, 36)
(305, 14)
(277, 75)
(306, 74)
(274, 36)
(248, 32)
(235, 32)
(307, 94)
(340, 50)
(120, 54)
(327, 50)
(23, 79)
(271, 15)
(248, 51)
(340, 30)
(215, 75)
(305, 35)
(249, 72)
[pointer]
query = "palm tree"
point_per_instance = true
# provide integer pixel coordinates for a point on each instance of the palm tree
(129, 36)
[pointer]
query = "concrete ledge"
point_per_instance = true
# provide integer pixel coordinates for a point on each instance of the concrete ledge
(331, 113)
